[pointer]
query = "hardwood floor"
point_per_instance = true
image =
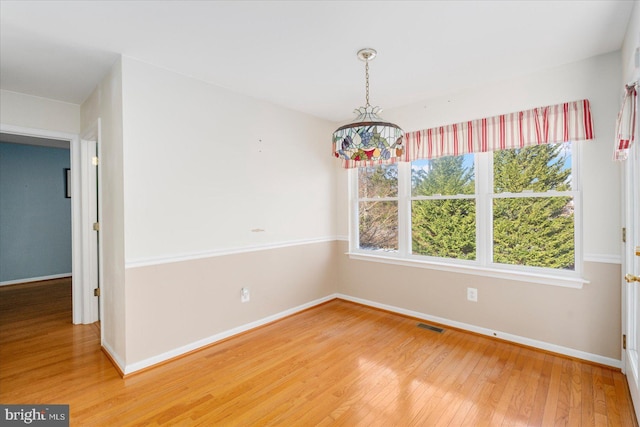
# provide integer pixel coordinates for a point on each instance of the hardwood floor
(337, 364)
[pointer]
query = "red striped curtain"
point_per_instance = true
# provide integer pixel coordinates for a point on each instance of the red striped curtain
(570, 121)
(626, 124)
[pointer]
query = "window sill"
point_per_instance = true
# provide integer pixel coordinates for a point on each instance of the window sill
(521, 276)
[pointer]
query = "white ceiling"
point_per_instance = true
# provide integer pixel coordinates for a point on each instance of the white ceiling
(302, 54)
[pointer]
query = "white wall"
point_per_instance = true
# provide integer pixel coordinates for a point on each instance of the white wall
(630, 45)
(204, 167)
(106, 103)
(189, 171)
(586, 320)
(18, 109)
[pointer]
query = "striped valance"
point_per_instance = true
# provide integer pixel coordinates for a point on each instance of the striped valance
(626, 124)
(570, 121)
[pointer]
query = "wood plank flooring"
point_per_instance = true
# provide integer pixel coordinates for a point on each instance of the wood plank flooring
(339, 364)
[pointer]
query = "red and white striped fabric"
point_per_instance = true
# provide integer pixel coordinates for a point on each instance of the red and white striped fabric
(626, 124)
(570, 121)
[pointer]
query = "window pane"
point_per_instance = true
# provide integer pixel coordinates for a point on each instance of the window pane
(445, 176)
(534, 231)
(539, 168)
(378, 181)
(444, 228)
(378, 225)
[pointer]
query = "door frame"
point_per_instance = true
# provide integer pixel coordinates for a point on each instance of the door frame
(630, 290)
(83, 302)
(630, 197)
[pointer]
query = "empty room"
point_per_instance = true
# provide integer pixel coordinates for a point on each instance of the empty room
(300, 213)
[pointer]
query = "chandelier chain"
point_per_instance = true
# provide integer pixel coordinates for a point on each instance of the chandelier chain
(366, 67)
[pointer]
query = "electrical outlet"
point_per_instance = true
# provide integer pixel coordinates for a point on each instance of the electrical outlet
(472, 294)
(245, 295)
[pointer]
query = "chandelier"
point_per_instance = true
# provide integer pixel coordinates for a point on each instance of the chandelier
(368, 138)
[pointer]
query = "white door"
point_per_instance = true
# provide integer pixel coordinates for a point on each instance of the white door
(94, 237)
(631, 270)
(90, 231)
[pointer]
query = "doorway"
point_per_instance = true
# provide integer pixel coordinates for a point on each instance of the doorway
(35, 223)
(85, 205)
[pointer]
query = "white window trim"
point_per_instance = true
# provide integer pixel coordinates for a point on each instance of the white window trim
(483, 265)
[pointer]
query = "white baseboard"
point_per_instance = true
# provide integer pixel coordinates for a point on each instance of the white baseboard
(114, 356)
(579, 354)
(131, 368)
(218, 337)
(34, 279)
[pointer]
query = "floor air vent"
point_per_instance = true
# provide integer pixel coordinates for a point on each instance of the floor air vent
(431, 328)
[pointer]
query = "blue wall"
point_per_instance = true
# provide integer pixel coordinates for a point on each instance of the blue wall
(35, 216)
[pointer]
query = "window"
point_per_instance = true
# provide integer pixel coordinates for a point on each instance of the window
(443, 207)
(533, 207)
(514, 210)
(378, 208)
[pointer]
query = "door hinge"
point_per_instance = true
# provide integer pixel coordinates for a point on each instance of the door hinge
(95, 161)
(96, 292)
(96, 226)
(624, 342)
(624, 235)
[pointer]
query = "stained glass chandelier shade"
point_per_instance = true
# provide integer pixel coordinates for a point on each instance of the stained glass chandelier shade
(368, 139)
